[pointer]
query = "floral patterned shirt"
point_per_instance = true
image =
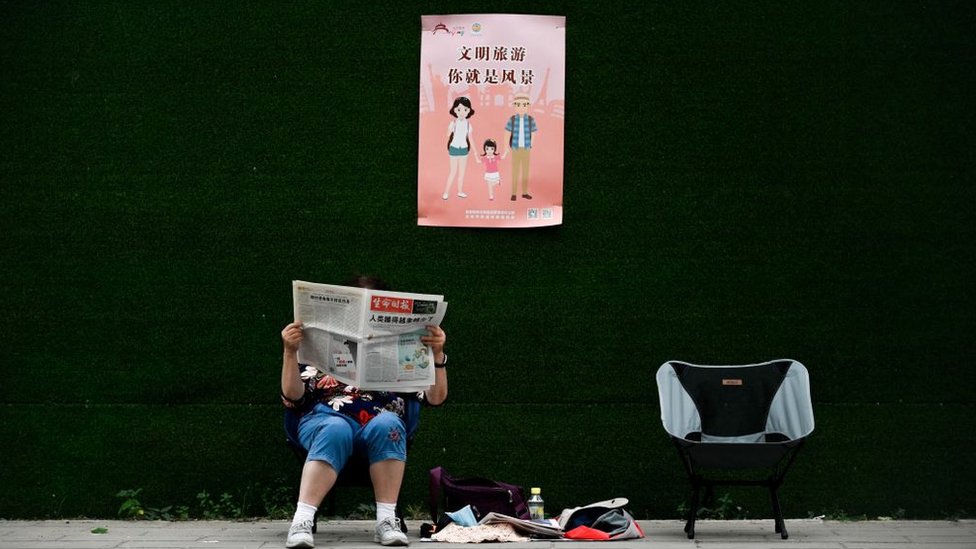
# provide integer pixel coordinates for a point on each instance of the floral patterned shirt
(348, 400)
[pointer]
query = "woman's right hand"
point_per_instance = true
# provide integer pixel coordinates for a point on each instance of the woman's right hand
(292, 336)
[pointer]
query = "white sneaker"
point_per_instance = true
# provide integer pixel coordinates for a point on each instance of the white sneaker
(300, 536)
(462, 195)
(444, 196)
(388, 533)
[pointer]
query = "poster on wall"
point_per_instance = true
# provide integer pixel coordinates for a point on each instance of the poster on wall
(492, 111)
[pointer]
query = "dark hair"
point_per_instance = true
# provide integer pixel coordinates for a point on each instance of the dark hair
(462, 101)
(368, 281)
(488, 143)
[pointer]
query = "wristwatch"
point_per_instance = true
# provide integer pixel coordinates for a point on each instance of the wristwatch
(442, 364)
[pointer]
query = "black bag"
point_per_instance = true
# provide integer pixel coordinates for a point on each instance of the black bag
(486, 496)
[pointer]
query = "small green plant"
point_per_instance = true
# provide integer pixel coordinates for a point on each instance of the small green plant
(170, 512)
(954, 516)
(682, 510)
(363, 511)
(132, 508)
(223, 508)
(278, 503)
(724, 509)
(416, 511)
(838, 515)
(897, 514)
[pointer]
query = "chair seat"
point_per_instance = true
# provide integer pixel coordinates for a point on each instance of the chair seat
(722, 455)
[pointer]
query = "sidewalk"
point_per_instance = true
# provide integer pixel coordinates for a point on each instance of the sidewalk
(664, 534)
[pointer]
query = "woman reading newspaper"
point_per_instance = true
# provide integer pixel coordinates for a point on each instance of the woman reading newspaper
(339, 422)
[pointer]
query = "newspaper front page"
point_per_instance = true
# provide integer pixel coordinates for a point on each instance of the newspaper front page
(368, 338)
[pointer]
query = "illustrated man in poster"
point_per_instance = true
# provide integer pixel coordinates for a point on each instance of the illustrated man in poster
(520, 128)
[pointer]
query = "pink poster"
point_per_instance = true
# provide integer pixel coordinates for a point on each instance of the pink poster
(492, 110)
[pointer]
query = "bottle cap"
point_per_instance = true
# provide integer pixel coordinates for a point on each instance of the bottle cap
(535, 490)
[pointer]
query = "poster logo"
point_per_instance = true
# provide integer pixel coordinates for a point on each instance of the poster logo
(457, 30)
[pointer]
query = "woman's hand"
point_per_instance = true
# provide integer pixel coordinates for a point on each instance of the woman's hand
(436, 338)
(292, 336)
(292, 387)
(436, 394)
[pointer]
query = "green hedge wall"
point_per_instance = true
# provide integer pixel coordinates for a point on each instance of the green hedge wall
(744, 181)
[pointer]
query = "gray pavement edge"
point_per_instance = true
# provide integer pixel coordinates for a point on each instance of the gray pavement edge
(344, 534)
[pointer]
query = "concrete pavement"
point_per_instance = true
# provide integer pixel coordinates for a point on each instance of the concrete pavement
(664, 534)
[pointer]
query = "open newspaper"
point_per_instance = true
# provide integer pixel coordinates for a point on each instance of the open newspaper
(367, 338)
(537, 528)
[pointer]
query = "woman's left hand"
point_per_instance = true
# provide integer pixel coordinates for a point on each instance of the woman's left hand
(436, 338)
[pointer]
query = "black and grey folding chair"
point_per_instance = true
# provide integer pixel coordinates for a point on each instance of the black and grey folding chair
(722, 418)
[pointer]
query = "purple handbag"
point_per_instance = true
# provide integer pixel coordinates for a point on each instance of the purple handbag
(485, 495)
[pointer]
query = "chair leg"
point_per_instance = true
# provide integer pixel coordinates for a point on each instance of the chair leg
(693, 510)
(778, 513)
(330, 502)
(399, 515)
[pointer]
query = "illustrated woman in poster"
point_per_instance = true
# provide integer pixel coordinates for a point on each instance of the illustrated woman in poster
(460, 134)
(492, 177)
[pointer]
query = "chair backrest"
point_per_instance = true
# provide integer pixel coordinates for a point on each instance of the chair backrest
(766, 402)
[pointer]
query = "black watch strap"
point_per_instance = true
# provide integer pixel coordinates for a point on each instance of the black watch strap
(442, 364)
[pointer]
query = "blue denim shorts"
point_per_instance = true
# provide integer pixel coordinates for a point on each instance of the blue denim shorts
(457, 151)
(333, 437)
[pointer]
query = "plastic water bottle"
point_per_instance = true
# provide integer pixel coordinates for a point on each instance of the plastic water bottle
(537, 509)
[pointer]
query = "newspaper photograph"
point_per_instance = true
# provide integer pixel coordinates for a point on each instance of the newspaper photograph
(367, 338)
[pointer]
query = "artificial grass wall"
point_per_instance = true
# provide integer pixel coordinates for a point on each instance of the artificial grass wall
(743, 182)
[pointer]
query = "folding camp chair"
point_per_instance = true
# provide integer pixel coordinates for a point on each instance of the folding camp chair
(356, 471)
(723, 418)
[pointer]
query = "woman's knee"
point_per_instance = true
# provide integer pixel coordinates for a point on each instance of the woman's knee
(327, 432)
(385, 421)
(336, 428)
(385, 437)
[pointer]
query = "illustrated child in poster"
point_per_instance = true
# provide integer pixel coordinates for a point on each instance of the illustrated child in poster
(505, 74)
(490, 160)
